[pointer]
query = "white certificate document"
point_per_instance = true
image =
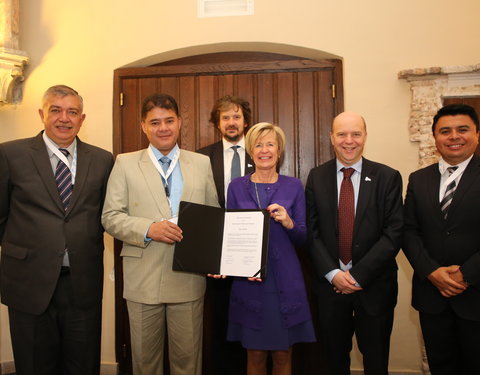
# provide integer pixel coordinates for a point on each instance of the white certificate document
(242, 243)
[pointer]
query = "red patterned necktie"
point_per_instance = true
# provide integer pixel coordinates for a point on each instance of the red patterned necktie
(346, 216)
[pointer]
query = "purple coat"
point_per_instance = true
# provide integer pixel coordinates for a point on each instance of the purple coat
(246, 301)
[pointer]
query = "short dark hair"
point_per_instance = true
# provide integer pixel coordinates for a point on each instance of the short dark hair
(164, 101)
(225, 103)
(454, 110)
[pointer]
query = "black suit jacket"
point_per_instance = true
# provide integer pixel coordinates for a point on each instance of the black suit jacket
(35, 229)
(215, 153)
(430, 241)
(377, 231)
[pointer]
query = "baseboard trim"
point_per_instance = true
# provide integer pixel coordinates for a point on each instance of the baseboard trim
(360, 372)
(7, 368)
(106, 368)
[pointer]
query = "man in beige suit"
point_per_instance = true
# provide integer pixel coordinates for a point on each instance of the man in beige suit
(141, 208)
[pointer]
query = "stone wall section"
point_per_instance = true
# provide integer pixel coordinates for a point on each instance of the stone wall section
(429, 87)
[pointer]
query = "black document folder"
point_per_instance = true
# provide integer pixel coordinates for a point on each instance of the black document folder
(201, 249)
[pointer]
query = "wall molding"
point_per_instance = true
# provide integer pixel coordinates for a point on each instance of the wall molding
(429, 87)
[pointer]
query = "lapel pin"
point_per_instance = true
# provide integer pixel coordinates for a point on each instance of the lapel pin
(250, 165)
(368, 179)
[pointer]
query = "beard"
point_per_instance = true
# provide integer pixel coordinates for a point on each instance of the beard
(233, 138)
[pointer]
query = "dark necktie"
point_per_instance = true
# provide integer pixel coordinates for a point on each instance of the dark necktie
(449, 192)
(63, 177)
(346, 216)
(235, 171)
(165, 162)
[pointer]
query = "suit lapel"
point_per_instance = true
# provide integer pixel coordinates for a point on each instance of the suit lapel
(331, 191)
(217, 168)
(249, 165)
(433, 191)
(42, 163)
(368, 183)
(189, 174)
(154, 184)
(83, 164)
(470, 175)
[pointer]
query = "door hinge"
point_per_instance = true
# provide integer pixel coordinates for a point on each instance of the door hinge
(334, 93)
(121, 99)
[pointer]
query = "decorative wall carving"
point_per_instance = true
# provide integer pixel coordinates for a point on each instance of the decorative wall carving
(12, 60)
(429, 87)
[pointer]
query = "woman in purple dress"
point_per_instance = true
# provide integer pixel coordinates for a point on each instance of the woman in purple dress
(272, 314)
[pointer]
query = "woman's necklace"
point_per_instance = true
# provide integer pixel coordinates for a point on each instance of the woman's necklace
(258, 199)
(254, 175)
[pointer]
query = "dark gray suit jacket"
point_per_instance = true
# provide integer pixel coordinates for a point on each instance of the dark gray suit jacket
(35, 229)
(430, 241)
(377, 231)
(215, 153)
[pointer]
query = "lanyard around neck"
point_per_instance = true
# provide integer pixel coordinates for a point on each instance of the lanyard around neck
(157, 165)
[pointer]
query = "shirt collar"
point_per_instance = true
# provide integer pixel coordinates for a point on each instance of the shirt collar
(71, 148)
(158, 154)
(443, 165)
(357, 166)
(227, 144)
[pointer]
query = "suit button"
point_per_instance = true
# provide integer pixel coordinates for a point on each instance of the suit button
(448, 233)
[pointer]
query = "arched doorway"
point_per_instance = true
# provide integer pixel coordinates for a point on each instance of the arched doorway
(301, 95)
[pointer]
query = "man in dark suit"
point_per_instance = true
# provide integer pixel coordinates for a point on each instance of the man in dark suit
(355, 223)
(442, 243)
(52, 188)
(231, 115)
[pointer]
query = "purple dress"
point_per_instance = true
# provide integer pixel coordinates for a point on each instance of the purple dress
(273, 314)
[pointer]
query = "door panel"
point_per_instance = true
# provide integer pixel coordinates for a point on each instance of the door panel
(296, 94)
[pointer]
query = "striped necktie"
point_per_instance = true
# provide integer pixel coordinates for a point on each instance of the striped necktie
(447, 198)
(63, 178)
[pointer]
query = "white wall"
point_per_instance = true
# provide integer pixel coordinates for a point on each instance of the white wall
(80, 43)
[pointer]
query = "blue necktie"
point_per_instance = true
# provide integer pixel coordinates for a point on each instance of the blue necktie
(165, 162)
(236, 170)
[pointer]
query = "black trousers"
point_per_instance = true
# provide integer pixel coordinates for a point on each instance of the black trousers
(342, 315)
(452, 343)
(64, 340)
(222, 357)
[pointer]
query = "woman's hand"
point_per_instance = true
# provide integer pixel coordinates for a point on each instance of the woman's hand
(214, 276)
(280, 215)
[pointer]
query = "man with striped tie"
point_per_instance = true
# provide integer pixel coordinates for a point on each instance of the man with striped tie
(442, 243)
(52, 188)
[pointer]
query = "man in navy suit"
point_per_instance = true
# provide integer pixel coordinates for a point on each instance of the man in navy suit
(356, 293)
(442, 243)
(231, 115)
(51, 268)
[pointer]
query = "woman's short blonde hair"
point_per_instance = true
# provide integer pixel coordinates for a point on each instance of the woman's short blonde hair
(261, 129)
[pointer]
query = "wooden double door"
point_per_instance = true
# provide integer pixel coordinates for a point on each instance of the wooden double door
(301, 96)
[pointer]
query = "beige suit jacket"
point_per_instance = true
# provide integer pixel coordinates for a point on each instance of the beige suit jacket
(135, 199)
